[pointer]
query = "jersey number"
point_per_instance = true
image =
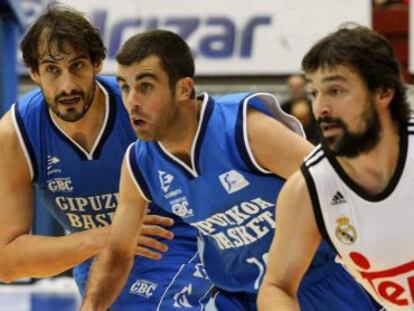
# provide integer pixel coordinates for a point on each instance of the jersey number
(261, 265)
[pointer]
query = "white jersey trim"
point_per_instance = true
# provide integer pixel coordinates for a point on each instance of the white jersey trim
(272, 104)
(315, 156)
(89, 155)
(173, 280)
(192, 170)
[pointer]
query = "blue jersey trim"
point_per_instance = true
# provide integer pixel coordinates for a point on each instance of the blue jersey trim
(207, 114)
(27, 143)
(138, 174)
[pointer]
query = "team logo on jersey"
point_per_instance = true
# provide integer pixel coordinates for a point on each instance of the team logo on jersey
(344, 231)
(180, 208)
(143, 288)
(51, 163)
(61, 184)
(200, 271)
(394, 284)
(181, 298)
(165, 180)
(233, 181)
(338, 198)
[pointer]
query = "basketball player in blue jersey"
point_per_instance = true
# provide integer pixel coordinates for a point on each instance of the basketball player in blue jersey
(68, 139)
(219, 165)
(355, 189)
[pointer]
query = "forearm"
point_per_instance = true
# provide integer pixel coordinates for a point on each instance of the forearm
(108, 275)
(43, 256)
(272, 298)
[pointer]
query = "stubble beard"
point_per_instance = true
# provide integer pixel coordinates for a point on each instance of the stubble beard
(71, 115)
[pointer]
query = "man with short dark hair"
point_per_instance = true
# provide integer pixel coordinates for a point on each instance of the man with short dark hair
(68, 139)
(355, 188)
(216, 163)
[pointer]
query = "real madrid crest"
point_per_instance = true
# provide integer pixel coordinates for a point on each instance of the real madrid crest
(344, 231)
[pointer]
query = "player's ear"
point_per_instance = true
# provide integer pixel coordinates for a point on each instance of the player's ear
(384, 96)
(34, 74)
(97, 67)
(184, 88)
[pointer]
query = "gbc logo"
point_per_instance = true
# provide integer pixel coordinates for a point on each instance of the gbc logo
(143, 288)
(217, 36)
(181, 209)
(60, 184)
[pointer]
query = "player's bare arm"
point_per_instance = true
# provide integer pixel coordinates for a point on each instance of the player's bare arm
(25, 255)
(118, 255)
(292, 249)
(275, 147)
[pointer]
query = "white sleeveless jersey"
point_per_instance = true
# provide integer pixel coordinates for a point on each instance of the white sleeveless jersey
(373, 234)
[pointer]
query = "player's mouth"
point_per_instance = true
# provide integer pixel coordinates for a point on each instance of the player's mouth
(330, 128)
(138, 122)
(69, 101)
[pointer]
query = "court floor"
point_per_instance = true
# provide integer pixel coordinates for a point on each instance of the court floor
(44, 295)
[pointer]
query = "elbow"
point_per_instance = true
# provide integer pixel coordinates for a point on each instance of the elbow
(261, 298)
(7, 277)
(7, 280)
(7, 272)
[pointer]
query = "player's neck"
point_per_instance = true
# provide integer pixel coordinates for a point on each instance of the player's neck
(180, 138)
(86, 130)
(373, 170)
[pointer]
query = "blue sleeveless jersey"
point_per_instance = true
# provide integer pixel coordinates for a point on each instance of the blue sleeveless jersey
(225, 194)
(80, 188)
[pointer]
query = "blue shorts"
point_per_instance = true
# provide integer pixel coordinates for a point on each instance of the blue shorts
(330, 287)
(161, 286)
(325, 288)
(229, 301)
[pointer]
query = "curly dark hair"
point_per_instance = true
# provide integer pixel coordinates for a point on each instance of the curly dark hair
(61, 25)
(370, 54)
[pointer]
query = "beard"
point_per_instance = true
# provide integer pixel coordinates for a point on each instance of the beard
(71, 114)
(352, 144)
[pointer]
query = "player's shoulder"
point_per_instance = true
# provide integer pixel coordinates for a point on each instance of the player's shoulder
(231, 98)
(315, 157)
(140, 149)
(31, 100)
(8, 135)
(296, 183)
(256, 100)
(6, 122)
(110, 84)
(295, 192)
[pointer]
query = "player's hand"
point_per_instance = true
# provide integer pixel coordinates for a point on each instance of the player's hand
(149, 245)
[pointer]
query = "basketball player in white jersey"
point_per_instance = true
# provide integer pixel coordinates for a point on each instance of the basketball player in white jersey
(356, 188)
